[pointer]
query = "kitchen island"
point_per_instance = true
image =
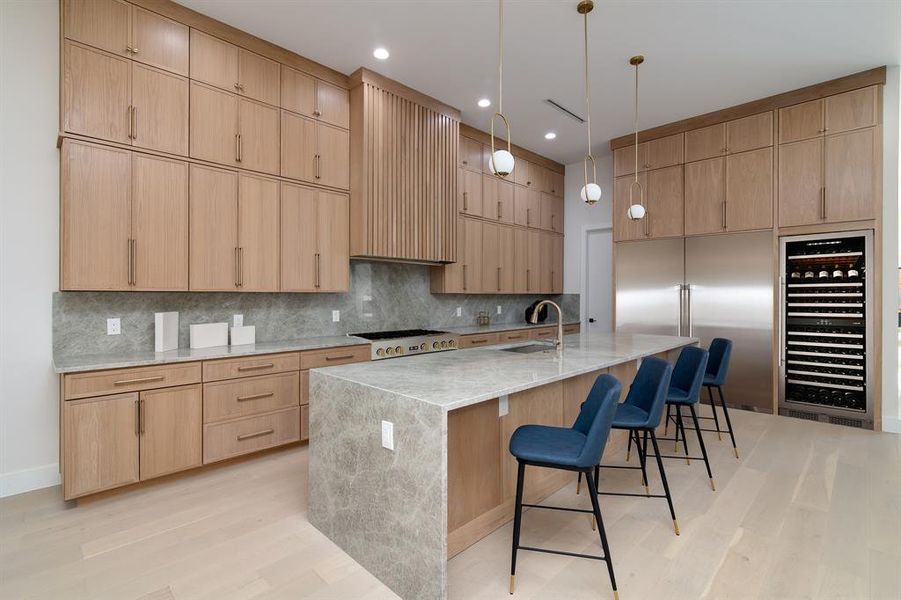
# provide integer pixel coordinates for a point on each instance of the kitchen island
(449, 480)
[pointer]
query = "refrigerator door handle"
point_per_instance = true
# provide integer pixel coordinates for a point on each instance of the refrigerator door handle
(688, 307)
(782, 297)
(681, 309)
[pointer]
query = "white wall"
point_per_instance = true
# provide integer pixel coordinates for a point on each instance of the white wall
(891, 253)
(578, 215)
(29, 225)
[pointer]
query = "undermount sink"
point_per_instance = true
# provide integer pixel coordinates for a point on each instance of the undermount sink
(530, 348)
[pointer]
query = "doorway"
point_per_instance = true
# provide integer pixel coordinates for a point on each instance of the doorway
(597, 279)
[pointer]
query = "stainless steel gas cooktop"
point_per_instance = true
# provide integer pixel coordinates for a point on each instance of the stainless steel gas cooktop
(405, 342)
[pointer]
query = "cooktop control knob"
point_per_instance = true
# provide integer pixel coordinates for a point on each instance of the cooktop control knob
(444, 343)
(422, 346)
(389, 351)
(398, 350)
(452, 343)
(435, 345)
(380, 352)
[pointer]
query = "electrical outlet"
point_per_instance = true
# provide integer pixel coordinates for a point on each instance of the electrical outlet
(503, 406)
(336, 316)
(113, 326)
(388, 435)
(237, 320)
(499, 309)
(459, 311)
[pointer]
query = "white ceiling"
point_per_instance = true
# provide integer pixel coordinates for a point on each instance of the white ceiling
(700, 55)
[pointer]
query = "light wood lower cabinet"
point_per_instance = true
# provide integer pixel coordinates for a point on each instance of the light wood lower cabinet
(478, 339)
(171, 436)
(250, 434)
(223, 400)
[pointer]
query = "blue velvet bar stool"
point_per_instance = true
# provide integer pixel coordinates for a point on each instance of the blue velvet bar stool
(715, 377)
(640, 415)
(685, 392)
(577, 448)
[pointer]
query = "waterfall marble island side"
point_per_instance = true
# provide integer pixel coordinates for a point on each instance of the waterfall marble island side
(449, 480)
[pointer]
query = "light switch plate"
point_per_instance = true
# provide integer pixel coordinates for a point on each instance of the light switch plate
(503, 406)
(113, 326)
(459, 311)
(336, 316)
(237, 320)
(499, 310)
(388, 435)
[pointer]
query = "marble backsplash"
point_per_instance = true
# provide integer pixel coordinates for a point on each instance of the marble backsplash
(382, 296)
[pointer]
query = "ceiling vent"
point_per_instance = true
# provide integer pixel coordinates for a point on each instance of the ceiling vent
(565, 110)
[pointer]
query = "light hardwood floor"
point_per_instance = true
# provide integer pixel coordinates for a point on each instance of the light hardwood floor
(810, 511)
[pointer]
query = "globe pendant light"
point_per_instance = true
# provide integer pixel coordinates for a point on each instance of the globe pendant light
(501, 161)
(636, 210)
(591, 191)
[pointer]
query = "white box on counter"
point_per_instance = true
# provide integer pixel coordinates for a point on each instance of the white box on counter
(208, 335)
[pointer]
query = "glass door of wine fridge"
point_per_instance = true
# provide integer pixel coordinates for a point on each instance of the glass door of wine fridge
(826, 333)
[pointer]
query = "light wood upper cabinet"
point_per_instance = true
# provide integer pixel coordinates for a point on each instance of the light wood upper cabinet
(213, 61)
(557, 262)
(464, 275)
(497, 198)
(100, 441)
(852, 176)
(333, 104)
(706, 142)
(623, 227)
(470, 154)
(801, 121)
(801, 182)
(159, 219)
(258, 77)
(551, 213)
(96, 94)
(749, 190)
(310, 97)
(852, 110)
(749, 133)
(158, 41)
(705, 196)
(624, 159)
(527, 174)
(315, 152)
(665, 152)
(160, 105)
(664, 202)
(314, 240)
(522, 276)
(95, 213)
(469, 192)
(491, 258)
(214, 125)
(334, 157)
(258, 141)
(258, 231)
(104, 24)
(526, 206)
(214, 229)
(171, 430)
(507, 261)
(555, 183)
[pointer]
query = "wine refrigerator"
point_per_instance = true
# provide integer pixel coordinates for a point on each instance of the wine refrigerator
(826, 328)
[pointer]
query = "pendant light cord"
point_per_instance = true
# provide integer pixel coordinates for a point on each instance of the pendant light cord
(636, 123)
(500, 57)
(587, 89)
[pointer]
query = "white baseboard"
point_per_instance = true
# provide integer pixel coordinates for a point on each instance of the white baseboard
(19, 482)
(891, 424)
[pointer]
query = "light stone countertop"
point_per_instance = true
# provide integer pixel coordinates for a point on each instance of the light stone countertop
(94, 362)
(495, 327)
(456, 379)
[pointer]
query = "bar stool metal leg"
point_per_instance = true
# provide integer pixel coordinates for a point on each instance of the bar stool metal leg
(629, 447)
(694, 418)
(593, 492)
(681, 425)
(642, 459)
(728, 422)
(517, 523)
(669, 412)
(669, 498)
(716, 420)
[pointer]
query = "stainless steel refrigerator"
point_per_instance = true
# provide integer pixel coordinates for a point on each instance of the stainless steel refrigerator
(706, 287)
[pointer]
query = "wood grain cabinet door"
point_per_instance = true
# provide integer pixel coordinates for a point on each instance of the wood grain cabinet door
(749, 133)
(665, 152)
(333, 224)
(665, 203)
(624, 160)
(333, 150)
(521, 205)
(298, 147)
(213, 61)
(100, 444)
(534, 248)
(472, 255)
(557, 275)
(522, 277)
(103, 24)
(546, 267)
(801, 121)
(160, 105)
(332, 104)
(214, 125)
(491, 260)
(469, 193)
(522, 172)
(705, 142)
(299, 238)
(546, 211)
(507, 260)
(623, 227)
(497, 199)
(159, 42)
(96, 93)
(258, 127)
(171, 430)
(159, 223)
(95, 217)
(298, 91)
(852, 110)
(851, 176)
(214, 229)
(470, 154)
(800, 182)
(258, 77)
(258, 231)
(705, 196)
(749, 190)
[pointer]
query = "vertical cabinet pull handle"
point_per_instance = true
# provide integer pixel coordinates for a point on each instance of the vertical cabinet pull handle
(237, 146)
(134, 121)
(823, 203)
(499, 279)
(464, 277)
(528, 279)
(465, 203)
(318, 270)
(134, 261)
(318, 160)
(240, 266)
(528, 216)
(499, 216)
(724, 214)
(128, 257)
(647, 223)
(141, 415)
(137, 417)
(237, 284)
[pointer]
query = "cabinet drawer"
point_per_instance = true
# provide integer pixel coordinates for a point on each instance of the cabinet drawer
(250, 434)
(479, 339)
(102, 383)
(253, 395)
(571, 328)
(334, 356)
(513, 336)
(305, 422)
(543, 333)
(230, 368)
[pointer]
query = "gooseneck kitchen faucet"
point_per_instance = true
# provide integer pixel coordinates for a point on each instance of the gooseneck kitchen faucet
(533, 319)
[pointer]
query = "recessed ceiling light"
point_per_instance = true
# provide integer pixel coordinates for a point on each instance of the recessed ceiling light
(484, 102)
(381, 53)
(550, 135)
